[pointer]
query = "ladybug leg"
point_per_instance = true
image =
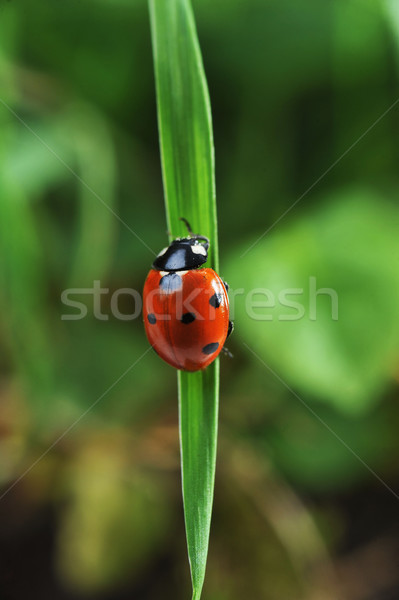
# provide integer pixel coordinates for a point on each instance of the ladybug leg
(226, 285)
(230, 329)
(227, 352)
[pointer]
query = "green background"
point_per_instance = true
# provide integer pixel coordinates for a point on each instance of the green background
(307, 472)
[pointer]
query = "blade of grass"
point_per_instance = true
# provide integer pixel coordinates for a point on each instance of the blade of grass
(186, 140)
(198, 419)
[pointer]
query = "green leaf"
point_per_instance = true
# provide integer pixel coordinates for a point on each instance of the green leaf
(93, 148)
(188, 171)
(25, 332)
(344, 254)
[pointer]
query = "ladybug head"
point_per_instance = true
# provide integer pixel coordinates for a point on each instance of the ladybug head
(183, 254)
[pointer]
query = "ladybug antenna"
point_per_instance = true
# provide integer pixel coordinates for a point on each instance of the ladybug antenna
(195, 236)
(187, 224)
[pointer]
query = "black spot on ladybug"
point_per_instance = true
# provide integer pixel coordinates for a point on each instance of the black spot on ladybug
(171, 282)
(188, 318)
(151, 318)
(216, 300)
(210, 348)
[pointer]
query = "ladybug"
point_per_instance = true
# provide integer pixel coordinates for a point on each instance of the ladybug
(185, 307)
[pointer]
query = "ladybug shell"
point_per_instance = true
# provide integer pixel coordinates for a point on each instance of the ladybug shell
(186, 316)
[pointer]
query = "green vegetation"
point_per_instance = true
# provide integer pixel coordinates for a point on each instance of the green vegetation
(188, 173)
(293, 86)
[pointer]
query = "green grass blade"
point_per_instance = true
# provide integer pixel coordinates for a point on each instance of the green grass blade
(186, 140)
(198, 418)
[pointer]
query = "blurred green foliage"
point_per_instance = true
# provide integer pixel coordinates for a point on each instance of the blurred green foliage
(293, 86)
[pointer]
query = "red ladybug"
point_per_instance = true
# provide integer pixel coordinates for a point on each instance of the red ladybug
(185, 308)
